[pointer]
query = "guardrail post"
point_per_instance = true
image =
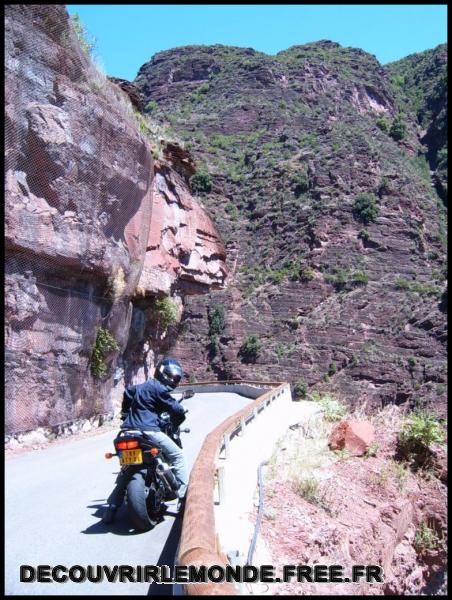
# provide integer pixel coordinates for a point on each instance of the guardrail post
(220, 483)
(226, 440)
(242, 425)
(255, 412)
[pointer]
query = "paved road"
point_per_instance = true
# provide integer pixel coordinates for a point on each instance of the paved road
(53, 508)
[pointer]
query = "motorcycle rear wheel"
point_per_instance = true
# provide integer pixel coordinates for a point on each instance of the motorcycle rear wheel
(144, 502)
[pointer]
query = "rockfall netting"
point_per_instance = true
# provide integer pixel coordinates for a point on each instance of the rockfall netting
(78, 204)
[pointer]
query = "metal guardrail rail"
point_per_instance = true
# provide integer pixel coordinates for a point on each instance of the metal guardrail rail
(199, 544)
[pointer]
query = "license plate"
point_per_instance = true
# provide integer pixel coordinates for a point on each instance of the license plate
(131, 457)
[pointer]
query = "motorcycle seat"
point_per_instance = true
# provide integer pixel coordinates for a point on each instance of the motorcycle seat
(132, 431)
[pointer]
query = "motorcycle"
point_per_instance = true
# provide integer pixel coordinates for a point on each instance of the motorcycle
(150, 480)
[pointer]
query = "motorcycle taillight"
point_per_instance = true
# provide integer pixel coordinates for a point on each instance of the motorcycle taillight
(127, 444)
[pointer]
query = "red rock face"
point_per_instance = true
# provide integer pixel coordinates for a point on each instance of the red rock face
(183, 244)
(81, 230)
(354, 436)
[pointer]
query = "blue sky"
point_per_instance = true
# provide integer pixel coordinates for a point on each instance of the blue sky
(128, 35)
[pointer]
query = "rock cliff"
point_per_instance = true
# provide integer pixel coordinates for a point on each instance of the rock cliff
(319, 183)
(88, 226)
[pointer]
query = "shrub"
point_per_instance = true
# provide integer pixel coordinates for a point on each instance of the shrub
(250, 349)
(365, 208)
(419, 431)
(441, 157)
(216, 326)
(419, 288)
(364, 235)
(383, 124)
(87, 42)
(371, 450)
(332, 369)
(300, 182)
(300, 388)
(384, 186)
(425, 538)
(307, 274)
(398, 129)
(104, 343)
(339, 279)
(217, 322)
(166, 311)
(203, 88)
(411, 362)
(360, 277)
(402, 284)
(144, 127)
(201, 182)
(332, 409)
(151, 106)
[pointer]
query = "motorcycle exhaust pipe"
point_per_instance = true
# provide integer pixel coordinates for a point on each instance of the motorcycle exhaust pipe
(168, 478)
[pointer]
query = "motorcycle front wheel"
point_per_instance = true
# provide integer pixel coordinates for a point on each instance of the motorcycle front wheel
(144, 501)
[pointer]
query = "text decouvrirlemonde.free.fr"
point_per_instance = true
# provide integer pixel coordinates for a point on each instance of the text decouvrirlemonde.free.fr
(200, 574)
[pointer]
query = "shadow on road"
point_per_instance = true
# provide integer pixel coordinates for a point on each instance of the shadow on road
(121, 524)
(167, 557)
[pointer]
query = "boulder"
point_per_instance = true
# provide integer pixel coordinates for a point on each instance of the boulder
(354, 436)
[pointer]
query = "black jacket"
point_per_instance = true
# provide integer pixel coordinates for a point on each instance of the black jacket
(143, 404)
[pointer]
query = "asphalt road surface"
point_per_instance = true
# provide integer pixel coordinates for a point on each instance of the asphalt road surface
(54, 500)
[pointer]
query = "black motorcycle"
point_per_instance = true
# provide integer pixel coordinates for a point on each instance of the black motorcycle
(150, 480)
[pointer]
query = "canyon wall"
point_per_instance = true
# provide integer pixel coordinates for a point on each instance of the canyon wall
(89, 228)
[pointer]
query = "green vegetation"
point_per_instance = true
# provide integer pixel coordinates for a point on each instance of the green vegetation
(365, 208)
(104, 344)
(364, 235)
(333, 410)
(418, 432)
(216, 326)
(414, 286)
(142, 124)
(332, 369)
(201, 182)
(421, 428)
(398, 129)
(166, 311)
(300, 181)
(341, 278)
(307, 489)
(371, 450)
(383, 124)
(300, 389)
(250, 349)
(425, 538)
(151, 106)
(86, 41)
(411, 362)
(384, 187)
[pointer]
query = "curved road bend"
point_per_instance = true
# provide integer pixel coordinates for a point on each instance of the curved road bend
(53, 509)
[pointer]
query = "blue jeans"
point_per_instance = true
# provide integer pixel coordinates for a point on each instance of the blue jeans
(175, 457)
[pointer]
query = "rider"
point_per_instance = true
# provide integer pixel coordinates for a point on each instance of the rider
(142, 405)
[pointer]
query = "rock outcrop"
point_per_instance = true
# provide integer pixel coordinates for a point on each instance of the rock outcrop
(353, 436)
(82, 234)
(184, 248)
